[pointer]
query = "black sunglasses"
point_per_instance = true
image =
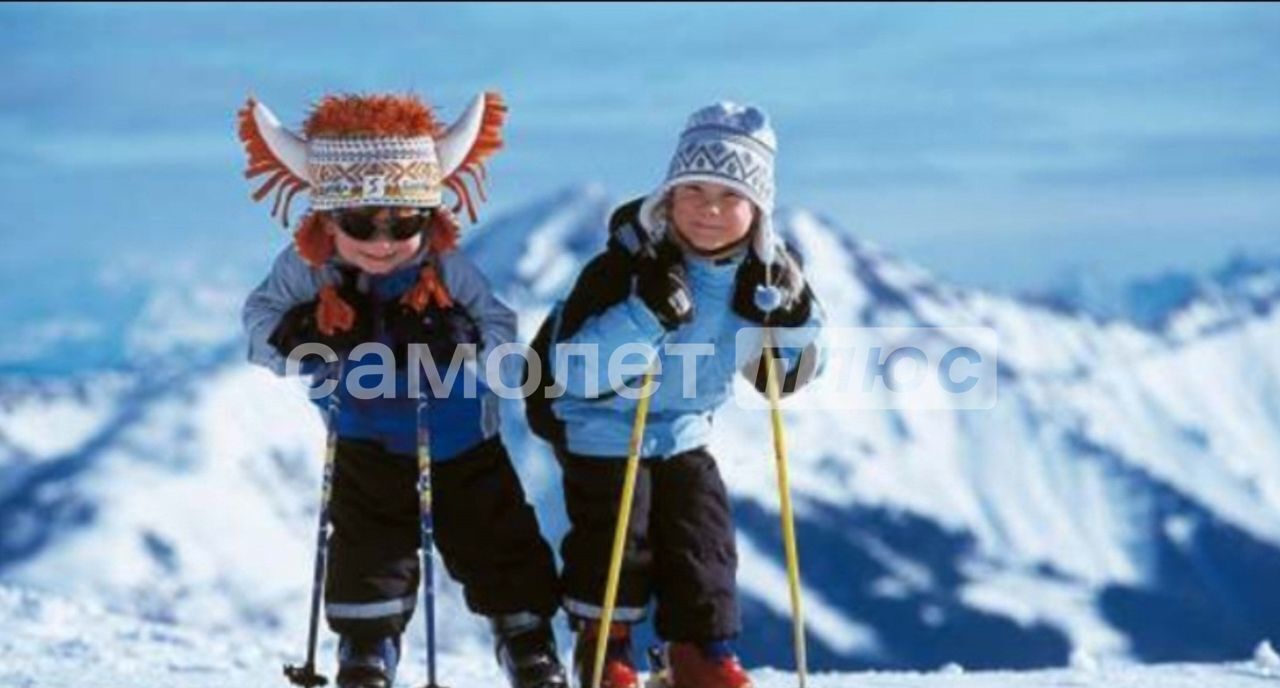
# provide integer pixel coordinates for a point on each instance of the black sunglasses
(360, 225)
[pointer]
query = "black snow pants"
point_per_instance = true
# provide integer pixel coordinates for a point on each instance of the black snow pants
(485, 531)
(680, 547)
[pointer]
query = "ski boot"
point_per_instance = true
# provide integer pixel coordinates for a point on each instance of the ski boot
(704, 665)
(367, 662)
(619, 671)
(526, 651)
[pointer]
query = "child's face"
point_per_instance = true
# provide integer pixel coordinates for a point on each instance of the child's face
(381, 253)
(710, 216)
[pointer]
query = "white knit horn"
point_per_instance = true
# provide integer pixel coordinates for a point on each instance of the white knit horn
(453, 146)
(276, 155)
(289, 148)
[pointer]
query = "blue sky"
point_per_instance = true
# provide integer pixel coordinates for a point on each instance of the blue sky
(997, 145)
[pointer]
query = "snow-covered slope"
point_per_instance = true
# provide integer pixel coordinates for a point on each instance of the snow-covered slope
(54, 642)
(1122, 499)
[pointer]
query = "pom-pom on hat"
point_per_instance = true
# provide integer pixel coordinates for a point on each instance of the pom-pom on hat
(725, 143)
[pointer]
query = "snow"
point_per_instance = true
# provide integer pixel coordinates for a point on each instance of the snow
(1265, 657)
(54, 642)
(1028, 599)
(1083, 662)
(37, 427)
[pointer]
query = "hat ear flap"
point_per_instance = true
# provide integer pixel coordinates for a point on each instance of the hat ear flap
(313, 240)
(654, 215)
(443, 231)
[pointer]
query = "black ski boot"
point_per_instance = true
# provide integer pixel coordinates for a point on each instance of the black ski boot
(367, 663)
(526, 651)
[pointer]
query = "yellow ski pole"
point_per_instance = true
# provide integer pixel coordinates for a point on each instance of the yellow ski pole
(620, 532)
(788, 519)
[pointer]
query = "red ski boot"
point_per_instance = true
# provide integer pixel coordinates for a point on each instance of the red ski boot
(705, 665)
(619, 670)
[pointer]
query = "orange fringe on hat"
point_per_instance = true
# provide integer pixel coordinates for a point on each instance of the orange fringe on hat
(263, 161)
(443, 232)
(374, 115)
(371, 115)
(333, 315)
(313, 241)
(428, 288)
(487, 143)
(443, 238)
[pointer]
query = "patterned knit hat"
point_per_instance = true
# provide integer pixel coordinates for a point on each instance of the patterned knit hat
(728, 144)
(376, 150)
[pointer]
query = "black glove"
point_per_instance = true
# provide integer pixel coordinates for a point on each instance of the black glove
(440, 329)
(795, 298)
(300, 324)
(663, 285)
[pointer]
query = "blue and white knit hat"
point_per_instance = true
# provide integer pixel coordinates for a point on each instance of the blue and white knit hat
(725, 143)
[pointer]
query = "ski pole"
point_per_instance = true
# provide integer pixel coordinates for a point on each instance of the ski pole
(788, 518)
(620, 532)
(428, 536)
(306, 675)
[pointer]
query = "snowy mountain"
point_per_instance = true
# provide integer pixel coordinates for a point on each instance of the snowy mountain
(1178, 304)
(1121, 498)
(1121, 501)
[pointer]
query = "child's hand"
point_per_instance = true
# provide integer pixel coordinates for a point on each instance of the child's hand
(441, 330)
(661, 282)
(793, 297)
(303, 323)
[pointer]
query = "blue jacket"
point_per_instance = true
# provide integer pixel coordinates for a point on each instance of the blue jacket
(600, 424)
(455, 423)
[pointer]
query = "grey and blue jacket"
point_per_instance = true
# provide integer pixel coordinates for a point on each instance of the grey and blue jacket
(602, 310)
(455, 422)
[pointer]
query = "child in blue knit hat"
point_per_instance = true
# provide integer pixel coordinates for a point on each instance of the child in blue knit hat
(693, 263)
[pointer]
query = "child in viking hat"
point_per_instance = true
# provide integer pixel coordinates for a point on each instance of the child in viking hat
(693, 263)
(375, 260)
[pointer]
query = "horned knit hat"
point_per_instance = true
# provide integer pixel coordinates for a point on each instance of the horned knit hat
(373, 150)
